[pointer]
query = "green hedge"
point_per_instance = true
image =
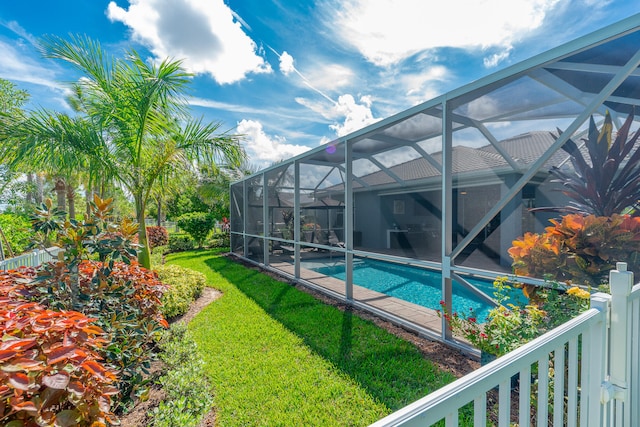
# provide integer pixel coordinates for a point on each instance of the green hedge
(179, 242)
(189, 394)
(185, 285)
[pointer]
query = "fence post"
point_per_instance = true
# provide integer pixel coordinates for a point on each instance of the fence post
(597, 367)
(621, 283)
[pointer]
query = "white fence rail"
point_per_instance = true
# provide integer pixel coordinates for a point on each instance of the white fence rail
(30, 259)
(584, 373)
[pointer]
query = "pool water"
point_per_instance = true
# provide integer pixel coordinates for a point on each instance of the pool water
(417, 285)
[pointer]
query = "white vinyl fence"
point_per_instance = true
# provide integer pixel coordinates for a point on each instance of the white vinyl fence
(584, 373)
(30, 259)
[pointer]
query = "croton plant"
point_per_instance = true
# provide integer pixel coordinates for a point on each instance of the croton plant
(77, 331)
(600, 225)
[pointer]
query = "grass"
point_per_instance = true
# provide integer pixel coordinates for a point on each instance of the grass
(277, 356)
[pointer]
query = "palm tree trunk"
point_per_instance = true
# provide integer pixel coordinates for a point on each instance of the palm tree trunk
(60, 189)
(144, 255)
(39, 188)
(88, 197)
(159, 219)
(30, 195)
(71, 197)
(4, 243)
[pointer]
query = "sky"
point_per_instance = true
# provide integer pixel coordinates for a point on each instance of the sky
(291, 75)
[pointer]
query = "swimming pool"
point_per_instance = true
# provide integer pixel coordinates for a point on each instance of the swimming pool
(417, 285)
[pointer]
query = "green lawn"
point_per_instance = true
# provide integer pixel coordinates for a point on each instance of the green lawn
(277, 356)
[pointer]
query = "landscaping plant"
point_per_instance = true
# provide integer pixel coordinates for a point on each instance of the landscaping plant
(600, 225)
(17, 231)
(181, 242)
(51, 367)
(98, 276)
(185, 285)
(579, 249)
(189, 394)
(157, 236)
(508, 327)
(197, 224)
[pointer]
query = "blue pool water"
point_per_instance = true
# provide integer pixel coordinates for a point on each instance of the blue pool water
(417, 285)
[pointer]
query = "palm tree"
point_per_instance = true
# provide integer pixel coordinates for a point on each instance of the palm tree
(66, 148)
(139, 119)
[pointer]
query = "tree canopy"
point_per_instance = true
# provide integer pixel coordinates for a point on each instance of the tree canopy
(132, 124)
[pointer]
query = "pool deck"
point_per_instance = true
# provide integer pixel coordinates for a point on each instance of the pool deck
(420, 316)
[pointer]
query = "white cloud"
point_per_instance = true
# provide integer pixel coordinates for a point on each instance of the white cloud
(420, 87)
(330, 76)
(346, 114)
(356, 115)
(264, 149)
(496, 58)
(387, 31)
(18, 67)
(286, 63)
(321, 107)
(203, 33)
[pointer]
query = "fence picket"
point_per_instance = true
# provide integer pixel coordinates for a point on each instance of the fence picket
(600, 350)
(30, 259)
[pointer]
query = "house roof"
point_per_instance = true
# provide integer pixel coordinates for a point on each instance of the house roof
(524, 149)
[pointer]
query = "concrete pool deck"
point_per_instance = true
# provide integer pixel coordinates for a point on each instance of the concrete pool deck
(420, 316)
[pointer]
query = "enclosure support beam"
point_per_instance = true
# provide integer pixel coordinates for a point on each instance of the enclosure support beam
(265, 220)
(296, 218)
(348, 219)
(592, 106)
(447, 217)
(245, 209)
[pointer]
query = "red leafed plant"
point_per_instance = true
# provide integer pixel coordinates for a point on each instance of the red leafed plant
(51, 372)
(601, 224)
(99, 277)
(580, 249)
(157, 236)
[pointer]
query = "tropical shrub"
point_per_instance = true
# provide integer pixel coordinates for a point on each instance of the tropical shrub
(125, 301)
(609, 181)
(220, 240)
(184, 286)
(99, 277)
(157, 255)
(189, 394)
(181, 242)
(185, 202)
(197, 224)
(579, 249)
(157, 236)
(508, 327)
(51, 369)
(596, 230)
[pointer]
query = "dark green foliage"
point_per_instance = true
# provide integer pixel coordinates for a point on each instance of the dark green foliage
(197, 224)
(220, 240)
(609, 181)
(181, 242)
(189, 394)
(185, 202)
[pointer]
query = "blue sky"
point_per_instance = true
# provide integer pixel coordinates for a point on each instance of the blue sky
(290, 75)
